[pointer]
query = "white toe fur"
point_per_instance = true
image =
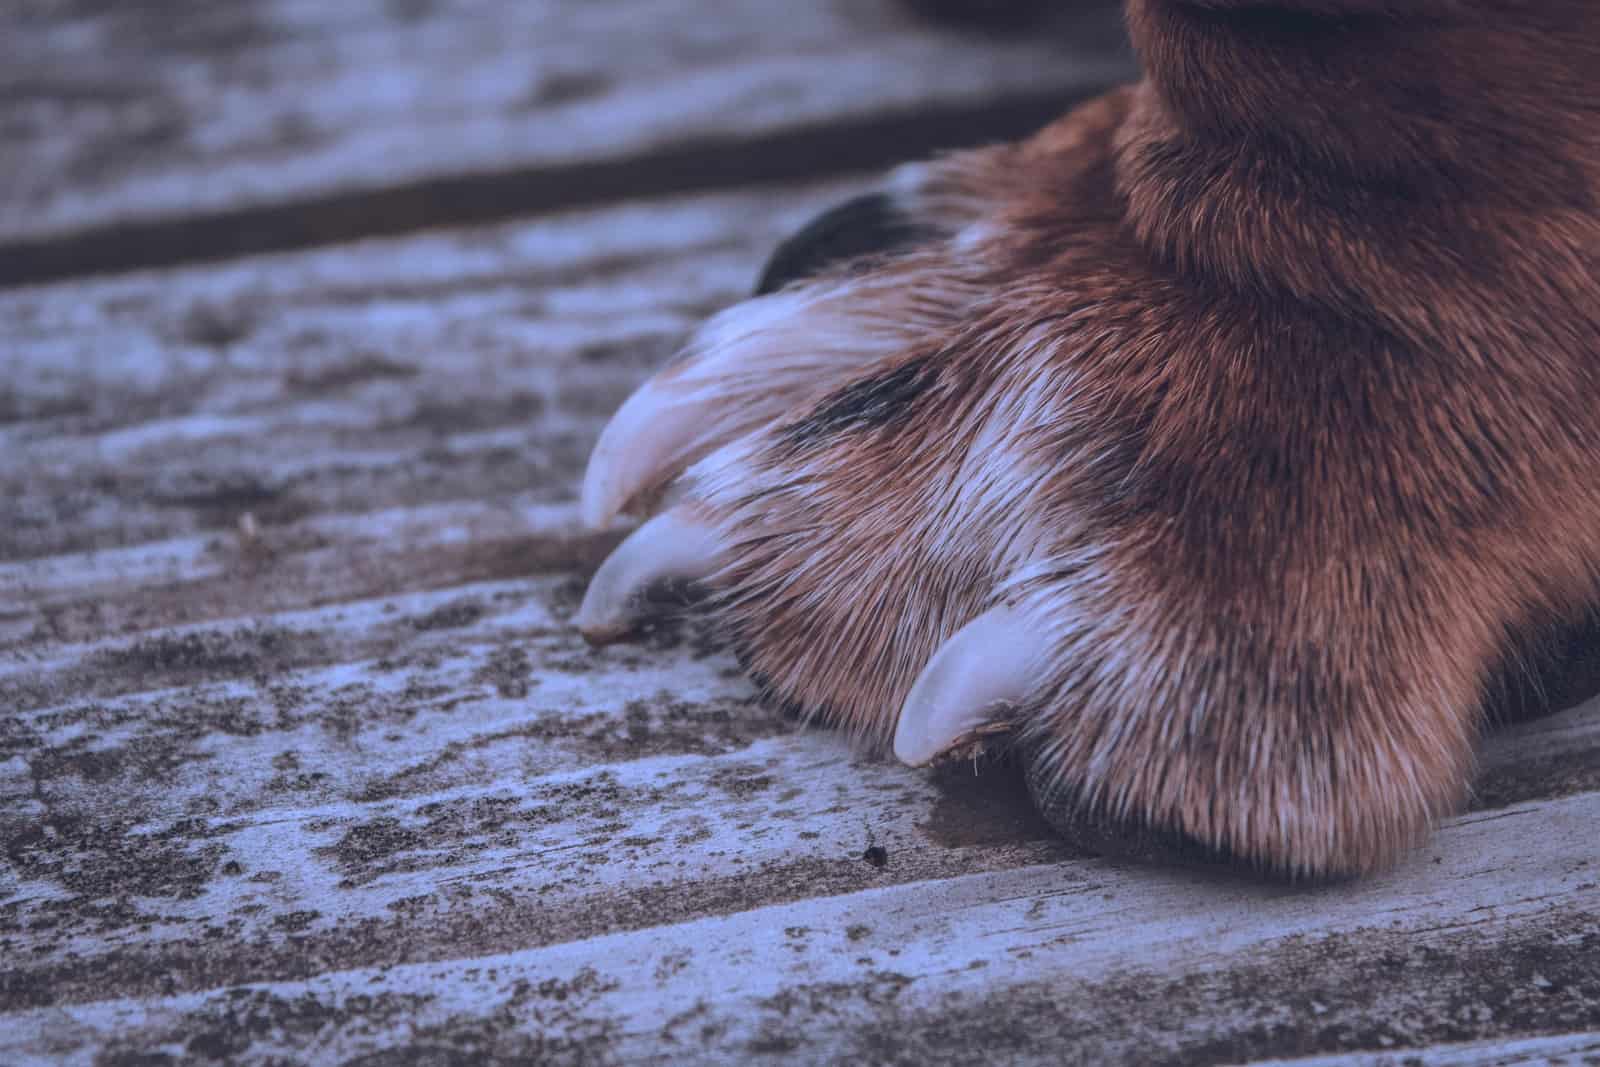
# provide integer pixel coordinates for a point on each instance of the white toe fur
(756, 362)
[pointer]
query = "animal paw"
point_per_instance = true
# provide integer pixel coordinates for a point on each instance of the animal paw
(974, 463)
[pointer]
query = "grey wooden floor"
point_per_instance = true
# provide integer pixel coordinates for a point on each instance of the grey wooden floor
(311, 315)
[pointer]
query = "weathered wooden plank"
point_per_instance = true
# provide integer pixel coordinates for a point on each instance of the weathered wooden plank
(1549, 756)
(434, 733)
(429, 758)
(338, 778)
(1563, 1050)
(1086, 961)
(472, 366)
(136, 136)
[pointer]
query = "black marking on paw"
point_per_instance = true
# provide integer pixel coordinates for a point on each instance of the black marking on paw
(870, 225)
(865, 404)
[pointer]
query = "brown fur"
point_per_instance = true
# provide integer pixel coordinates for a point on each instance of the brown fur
(1272, 396)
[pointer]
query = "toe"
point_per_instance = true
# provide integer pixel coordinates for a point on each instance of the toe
(671, 552)
(984, 671)
(750, 366)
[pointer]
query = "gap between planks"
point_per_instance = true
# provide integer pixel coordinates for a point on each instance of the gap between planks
(131, 145)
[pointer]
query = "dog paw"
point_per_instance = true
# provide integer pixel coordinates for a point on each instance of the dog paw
(971, 467)
(821, 315)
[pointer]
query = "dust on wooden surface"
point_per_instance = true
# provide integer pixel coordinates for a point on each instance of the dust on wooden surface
(300, 758)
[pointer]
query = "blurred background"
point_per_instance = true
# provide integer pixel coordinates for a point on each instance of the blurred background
(147, 132)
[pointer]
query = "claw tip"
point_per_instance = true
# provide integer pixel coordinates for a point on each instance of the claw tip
(984, 667)
(669, 546)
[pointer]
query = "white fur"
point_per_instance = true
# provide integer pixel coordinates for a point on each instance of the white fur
(748, 366)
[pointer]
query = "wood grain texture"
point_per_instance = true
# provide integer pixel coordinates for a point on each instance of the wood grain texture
(461, 366)
(136, 134)
(299, 758)
(1566, 1050)
(337, 781)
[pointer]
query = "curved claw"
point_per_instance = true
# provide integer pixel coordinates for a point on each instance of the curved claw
(990, 662)
(648, 435)
(725, 381)
(670, 547)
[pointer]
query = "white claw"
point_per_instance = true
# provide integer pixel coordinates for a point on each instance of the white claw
(648, 435)
(989, 663)
(746, 366)
(669, 546)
